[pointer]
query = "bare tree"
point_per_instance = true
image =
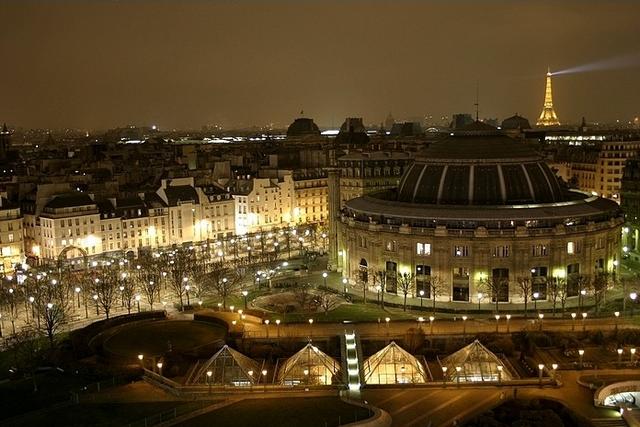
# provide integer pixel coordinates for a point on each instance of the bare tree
(437, 287)
(360, 283)
(226, 282)
(180, 264)
(525, 288)
(558, 290)
(599, 287)
(493, 287)
(327, 300)
(105, 286)
(380, 281)
(148, 280)
(52, 307)
(304, 297)
(26, 352)
(405, 284)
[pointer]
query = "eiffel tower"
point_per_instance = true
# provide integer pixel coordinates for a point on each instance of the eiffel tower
(548, 117)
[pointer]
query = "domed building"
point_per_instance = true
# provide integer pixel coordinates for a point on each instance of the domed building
(478, 208)
(516, 122)
(302, 127)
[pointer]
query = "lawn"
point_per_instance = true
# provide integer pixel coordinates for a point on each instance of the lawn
(154, 338)
(301, 411)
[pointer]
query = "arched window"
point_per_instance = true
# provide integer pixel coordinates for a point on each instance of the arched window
(364, 271)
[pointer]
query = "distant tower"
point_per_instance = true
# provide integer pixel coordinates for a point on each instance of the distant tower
(5, 141)
(548, 117)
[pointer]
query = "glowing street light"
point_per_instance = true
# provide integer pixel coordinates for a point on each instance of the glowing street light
(479, 299)
(633, 296)
(540, 317)
(573, 321)
(324, 277)
(244, 294)
(421, 293)
(632, 350)
(580, 356)
(497, 316)
(620, 351)
(554, 368)
(278, 327)
(431, 319)
(464, 325)
(616, 315)
(159, 365)
(387, 320)
(536, 295)
(508, 316)
(444, 375)
(584, 322)
(458, 369)
(209, 374)
(540, 369)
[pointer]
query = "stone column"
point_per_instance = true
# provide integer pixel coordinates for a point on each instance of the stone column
(333, 182)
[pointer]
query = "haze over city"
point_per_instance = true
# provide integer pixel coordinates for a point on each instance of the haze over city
(101, 64)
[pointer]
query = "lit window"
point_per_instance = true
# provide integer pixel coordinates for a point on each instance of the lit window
(423, 248)
(571, 248)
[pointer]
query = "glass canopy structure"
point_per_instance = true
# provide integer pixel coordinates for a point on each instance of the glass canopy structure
(393, 365)
(228, 367)
(475, 363)
(309, 366)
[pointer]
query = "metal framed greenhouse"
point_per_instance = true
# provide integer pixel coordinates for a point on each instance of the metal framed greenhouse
(393, 365)
(475, 363)
(309, 366)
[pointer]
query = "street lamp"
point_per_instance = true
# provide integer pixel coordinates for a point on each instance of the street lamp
(310, 328)
(159, 365)
(536, 295)
(581, 355)
(421, 293)
(633, 296)
(344, 285)
(497, 316)
(187, 288)
(278, 327)
(620, 351)
(458, 369)
(420, 321)
(464, 325)
(209, 374)
(244, 294)
(583, 292)
(431, 319)
(444, 375)
(617, 315)
(554, 367)
(584, 322)
(77, 290)
(479, 299)
(508, 316)
(573, 321)
(632, 350)
(540, 369)
(387, 320)
(266, 322)
(140, 357)
(95, 299)
(324, 277)
(540, 316)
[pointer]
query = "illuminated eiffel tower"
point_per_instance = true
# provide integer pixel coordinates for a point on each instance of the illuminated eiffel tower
(548, 116)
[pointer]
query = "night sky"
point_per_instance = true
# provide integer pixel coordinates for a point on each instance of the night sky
(183, 64)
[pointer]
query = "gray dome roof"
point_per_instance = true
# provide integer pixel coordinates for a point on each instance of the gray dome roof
(303, 126)
(515, 122)
(479, 170)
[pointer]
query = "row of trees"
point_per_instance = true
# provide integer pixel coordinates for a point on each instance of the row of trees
(556, 290)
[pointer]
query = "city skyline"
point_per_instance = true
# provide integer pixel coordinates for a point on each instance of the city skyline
(96, 65)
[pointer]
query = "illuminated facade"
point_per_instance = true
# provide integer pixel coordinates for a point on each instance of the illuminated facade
(263, 203)
(11, 235)
(475, 209)
(548, 116)
(311, 196)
